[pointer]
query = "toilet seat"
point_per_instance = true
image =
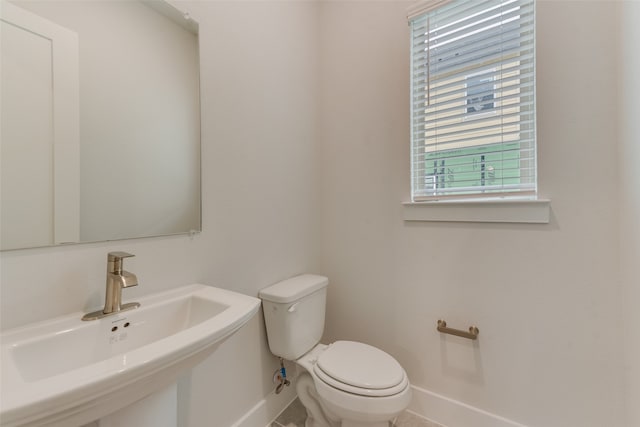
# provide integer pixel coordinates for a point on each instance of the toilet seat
(360, 369)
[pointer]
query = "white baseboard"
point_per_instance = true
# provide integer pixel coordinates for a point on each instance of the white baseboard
(266, 410)
(426, 404)
(451, 413)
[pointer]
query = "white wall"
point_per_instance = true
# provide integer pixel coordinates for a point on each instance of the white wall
(629, 155)
(259, 207)
(258, 80)
(545, 297)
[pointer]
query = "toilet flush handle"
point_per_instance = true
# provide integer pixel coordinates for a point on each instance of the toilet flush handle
(292, 308)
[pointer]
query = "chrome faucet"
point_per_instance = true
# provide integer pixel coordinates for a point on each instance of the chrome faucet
(117, 279)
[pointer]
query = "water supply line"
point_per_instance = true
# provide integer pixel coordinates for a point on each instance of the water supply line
(280, 377)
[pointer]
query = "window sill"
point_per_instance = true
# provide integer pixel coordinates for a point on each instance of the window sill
(531, 211)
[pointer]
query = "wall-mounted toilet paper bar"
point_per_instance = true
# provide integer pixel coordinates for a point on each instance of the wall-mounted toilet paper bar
(472, 334)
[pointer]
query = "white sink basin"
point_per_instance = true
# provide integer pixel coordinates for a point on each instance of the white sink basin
(65, 371)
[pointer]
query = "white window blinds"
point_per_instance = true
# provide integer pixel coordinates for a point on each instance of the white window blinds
(473, 99)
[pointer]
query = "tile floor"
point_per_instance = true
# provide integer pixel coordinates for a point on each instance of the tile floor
(295, 414)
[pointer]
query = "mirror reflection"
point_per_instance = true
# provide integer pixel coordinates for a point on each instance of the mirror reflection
(100, 122)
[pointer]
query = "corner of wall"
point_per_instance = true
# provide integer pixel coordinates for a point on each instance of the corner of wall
(629, 191)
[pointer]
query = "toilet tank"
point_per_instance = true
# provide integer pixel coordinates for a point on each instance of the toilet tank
(294, 314)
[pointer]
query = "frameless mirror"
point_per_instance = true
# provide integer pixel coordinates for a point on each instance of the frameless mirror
(100, 122)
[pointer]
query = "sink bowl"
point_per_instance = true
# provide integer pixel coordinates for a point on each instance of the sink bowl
(66, 371)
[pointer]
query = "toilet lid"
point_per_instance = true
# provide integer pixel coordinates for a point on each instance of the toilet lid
(360, 368)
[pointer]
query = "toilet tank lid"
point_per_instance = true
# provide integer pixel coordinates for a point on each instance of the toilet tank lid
(294, 288)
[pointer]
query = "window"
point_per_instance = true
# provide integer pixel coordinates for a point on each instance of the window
(473, 99)
(480, 94)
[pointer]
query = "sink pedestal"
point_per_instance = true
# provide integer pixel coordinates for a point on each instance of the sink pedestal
(156, 410)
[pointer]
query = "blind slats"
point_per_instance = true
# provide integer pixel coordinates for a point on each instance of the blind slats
(515, 73)
(473, 98)
(469, 159)
(450, 109)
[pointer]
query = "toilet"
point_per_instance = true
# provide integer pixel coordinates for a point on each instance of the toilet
(343, 384)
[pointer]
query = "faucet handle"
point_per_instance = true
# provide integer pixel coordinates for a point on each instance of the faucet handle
(117, 256)
(114, 261)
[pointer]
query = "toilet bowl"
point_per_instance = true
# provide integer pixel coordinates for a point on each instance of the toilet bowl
(346, 383)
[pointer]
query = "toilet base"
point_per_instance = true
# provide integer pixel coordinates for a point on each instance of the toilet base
(317, 416)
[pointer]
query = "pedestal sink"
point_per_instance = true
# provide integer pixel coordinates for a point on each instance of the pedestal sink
(66, 372)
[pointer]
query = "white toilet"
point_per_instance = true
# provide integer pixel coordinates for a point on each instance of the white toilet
(347, 383)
